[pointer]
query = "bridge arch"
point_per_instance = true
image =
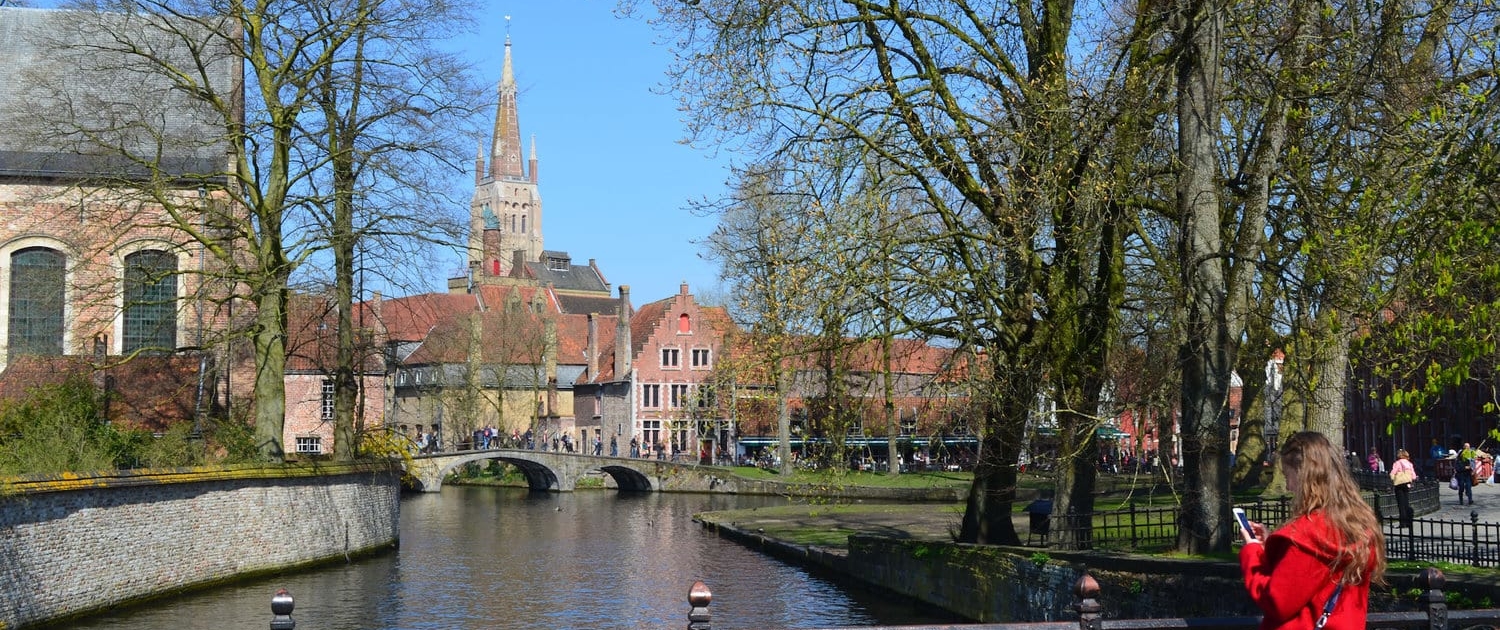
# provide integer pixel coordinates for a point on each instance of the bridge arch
(543, 470)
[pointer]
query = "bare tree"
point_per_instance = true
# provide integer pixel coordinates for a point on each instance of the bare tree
(297, 102)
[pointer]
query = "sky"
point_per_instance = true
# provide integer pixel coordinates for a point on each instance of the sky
(614, 179)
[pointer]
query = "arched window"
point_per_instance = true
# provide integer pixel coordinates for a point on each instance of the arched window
(684, 324)
(36, 301)
(150, 302)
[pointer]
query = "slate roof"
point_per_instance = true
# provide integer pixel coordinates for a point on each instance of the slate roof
(572, 278)
(48, 91)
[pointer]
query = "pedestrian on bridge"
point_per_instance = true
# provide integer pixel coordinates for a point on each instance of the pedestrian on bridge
(1314, 573)
(614, 446)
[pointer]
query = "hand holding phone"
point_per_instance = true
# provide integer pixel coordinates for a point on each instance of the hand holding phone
(1248, 532)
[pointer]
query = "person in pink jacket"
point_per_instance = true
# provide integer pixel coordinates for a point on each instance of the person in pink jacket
(1402, 474)
(1314, 573)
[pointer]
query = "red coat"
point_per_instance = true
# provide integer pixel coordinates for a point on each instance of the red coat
(1290, 577)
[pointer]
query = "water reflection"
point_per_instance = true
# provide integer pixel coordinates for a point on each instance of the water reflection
(506, 558)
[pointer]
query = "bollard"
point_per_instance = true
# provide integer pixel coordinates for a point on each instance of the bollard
(281, 609)
(698, 599)
(1090, 611)
(1431, 581)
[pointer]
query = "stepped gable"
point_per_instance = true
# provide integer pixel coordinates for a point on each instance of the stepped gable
(644, 322)
(496, 297)
(161, 391)
(505, 338)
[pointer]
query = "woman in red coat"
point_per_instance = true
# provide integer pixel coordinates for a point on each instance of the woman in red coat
(1332, 544)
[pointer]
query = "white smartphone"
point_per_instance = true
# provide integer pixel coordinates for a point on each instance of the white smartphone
(1239, 515)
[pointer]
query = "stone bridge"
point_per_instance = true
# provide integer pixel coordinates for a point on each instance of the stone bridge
(554, 471)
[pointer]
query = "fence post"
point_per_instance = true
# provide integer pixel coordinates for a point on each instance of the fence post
(1133, 541)
(698, 600)
(1432, 581)
(281, 611)
(1090, 611)
(1474, 535)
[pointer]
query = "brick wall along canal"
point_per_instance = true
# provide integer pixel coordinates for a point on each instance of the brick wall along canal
(474, 557)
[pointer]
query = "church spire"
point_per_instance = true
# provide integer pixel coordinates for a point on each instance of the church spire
(505, 154)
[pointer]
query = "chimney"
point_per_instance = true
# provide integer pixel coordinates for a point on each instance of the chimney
(682, 289)
(492, 251)
(591, 352)
(622, 336)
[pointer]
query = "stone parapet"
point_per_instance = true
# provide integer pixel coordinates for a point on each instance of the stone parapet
(75, 544)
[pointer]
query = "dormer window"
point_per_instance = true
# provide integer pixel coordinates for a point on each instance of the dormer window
(557, 264)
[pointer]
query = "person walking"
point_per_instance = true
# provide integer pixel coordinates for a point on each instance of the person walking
(1315, 571)
(1463, 472)
(1402, 476)
(1376, 463)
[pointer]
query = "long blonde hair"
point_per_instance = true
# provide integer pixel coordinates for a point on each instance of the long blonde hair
(1327, 486)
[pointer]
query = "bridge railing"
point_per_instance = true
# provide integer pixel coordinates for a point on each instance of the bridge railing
(1434, 614)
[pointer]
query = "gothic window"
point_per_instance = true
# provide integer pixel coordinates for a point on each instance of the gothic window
(523, 224)
(36, 301)
(150, 302)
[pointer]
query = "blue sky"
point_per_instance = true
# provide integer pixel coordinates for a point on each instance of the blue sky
(615, 182)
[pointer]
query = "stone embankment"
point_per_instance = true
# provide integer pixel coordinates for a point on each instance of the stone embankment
(913, 555)
(75, 544)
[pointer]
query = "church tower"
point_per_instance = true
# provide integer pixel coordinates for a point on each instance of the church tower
(505, 215)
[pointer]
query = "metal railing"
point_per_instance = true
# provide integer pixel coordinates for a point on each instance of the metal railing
(1434, 614)
(1134, 528)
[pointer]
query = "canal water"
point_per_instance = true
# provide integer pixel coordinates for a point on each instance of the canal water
(483, 557)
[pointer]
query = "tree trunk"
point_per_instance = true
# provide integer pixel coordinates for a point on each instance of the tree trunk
(988, 510)
(1208, 350)
(270, 370)
(783, 419)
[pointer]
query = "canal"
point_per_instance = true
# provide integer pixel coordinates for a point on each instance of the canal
(483, 557)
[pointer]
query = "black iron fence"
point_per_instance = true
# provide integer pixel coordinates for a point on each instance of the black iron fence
(1135, 528)
(1433, 614)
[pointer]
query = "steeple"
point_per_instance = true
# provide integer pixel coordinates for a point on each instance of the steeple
(505, 155)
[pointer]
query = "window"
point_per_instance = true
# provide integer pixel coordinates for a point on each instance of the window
(671, 357)
(36, 301)
(651, 396)
(679, 395)
(523, 224)
(650, 434)
(700, 357)
(557, 264)
(684, 324)
(705, 396)
(310, 445)
(909, 423)
(327, 400)
(150, 302)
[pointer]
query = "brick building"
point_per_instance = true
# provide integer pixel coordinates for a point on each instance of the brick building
(90, 265)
